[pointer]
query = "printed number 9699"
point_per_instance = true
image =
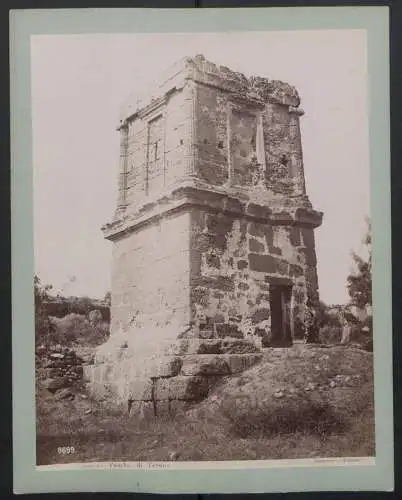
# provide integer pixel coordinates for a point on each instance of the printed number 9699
(65, 450)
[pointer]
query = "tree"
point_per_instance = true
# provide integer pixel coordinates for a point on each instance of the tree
(359, 283)
(324, 317)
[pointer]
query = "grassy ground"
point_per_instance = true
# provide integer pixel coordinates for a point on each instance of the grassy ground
(301, 402)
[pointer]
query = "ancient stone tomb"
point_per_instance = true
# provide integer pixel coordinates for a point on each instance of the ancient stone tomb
(213, 236)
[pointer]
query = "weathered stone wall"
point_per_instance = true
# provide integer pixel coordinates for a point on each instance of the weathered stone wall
(211, 141)
(156, 149)
(217, 126)
(150, 275)
(226, 143)
(233, 263)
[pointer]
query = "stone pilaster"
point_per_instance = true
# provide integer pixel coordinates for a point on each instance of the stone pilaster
(229, 144)
(297, 150)
(190, 129)
(122, 190)
(260, 145)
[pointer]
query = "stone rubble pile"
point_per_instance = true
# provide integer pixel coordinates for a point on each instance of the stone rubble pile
(61, 367)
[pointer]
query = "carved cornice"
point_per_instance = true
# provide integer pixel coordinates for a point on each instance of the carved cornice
(296, 110)
(254, 91)
(187, 197)
(153, 106)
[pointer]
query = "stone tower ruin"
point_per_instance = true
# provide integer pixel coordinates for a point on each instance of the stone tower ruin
(213, 236)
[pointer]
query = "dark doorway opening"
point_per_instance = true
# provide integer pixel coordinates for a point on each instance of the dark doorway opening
(281, 322)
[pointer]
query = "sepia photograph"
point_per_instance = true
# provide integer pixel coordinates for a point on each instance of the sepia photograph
(202, 236)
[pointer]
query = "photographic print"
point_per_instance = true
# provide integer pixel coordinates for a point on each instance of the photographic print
(202, 226)
(220, 311)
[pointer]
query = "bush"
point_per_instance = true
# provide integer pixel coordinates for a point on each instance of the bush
(77, 329)
(62, 306)
(362, 333)
(330, 334)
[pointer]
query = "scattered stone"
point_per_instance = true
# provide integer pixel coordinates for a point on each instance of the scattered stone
(173, 456)
(87, 412)
(64, 394)
(57, 355)
(279, 394)
(62, 368)
(54, 384)
(332, 383)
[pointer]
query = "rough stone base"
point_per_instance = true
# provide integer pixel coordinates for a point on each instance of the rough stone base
(164, 380)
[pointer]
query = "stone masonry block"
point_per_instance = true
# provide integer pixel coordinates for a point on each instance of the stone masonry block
(228, 330)
(260, 315)
(148, 410)
(205, 364)
(98, 390)
(168, 367)
(241, 362)
(238, 346)
(256, 229)
(296, 271)
(162, 409)
(142, 410)
(88, 373)
(102, 372)
(294, 236)
(177, 406)
(162, 389)
(140, 390)
(207, 346)
(186, 388)
(267, 264)
(256, 246)
(259, 211)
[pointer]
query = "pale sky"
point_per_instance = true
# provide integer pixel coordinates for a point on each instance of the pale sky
(79, 83)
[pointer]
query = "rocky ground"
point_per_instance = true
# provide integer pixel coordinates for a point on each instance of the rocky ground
(299, 402)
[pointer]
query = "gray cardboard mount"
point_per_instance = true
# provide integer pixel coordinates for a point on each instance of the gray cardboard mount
(372, 475)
